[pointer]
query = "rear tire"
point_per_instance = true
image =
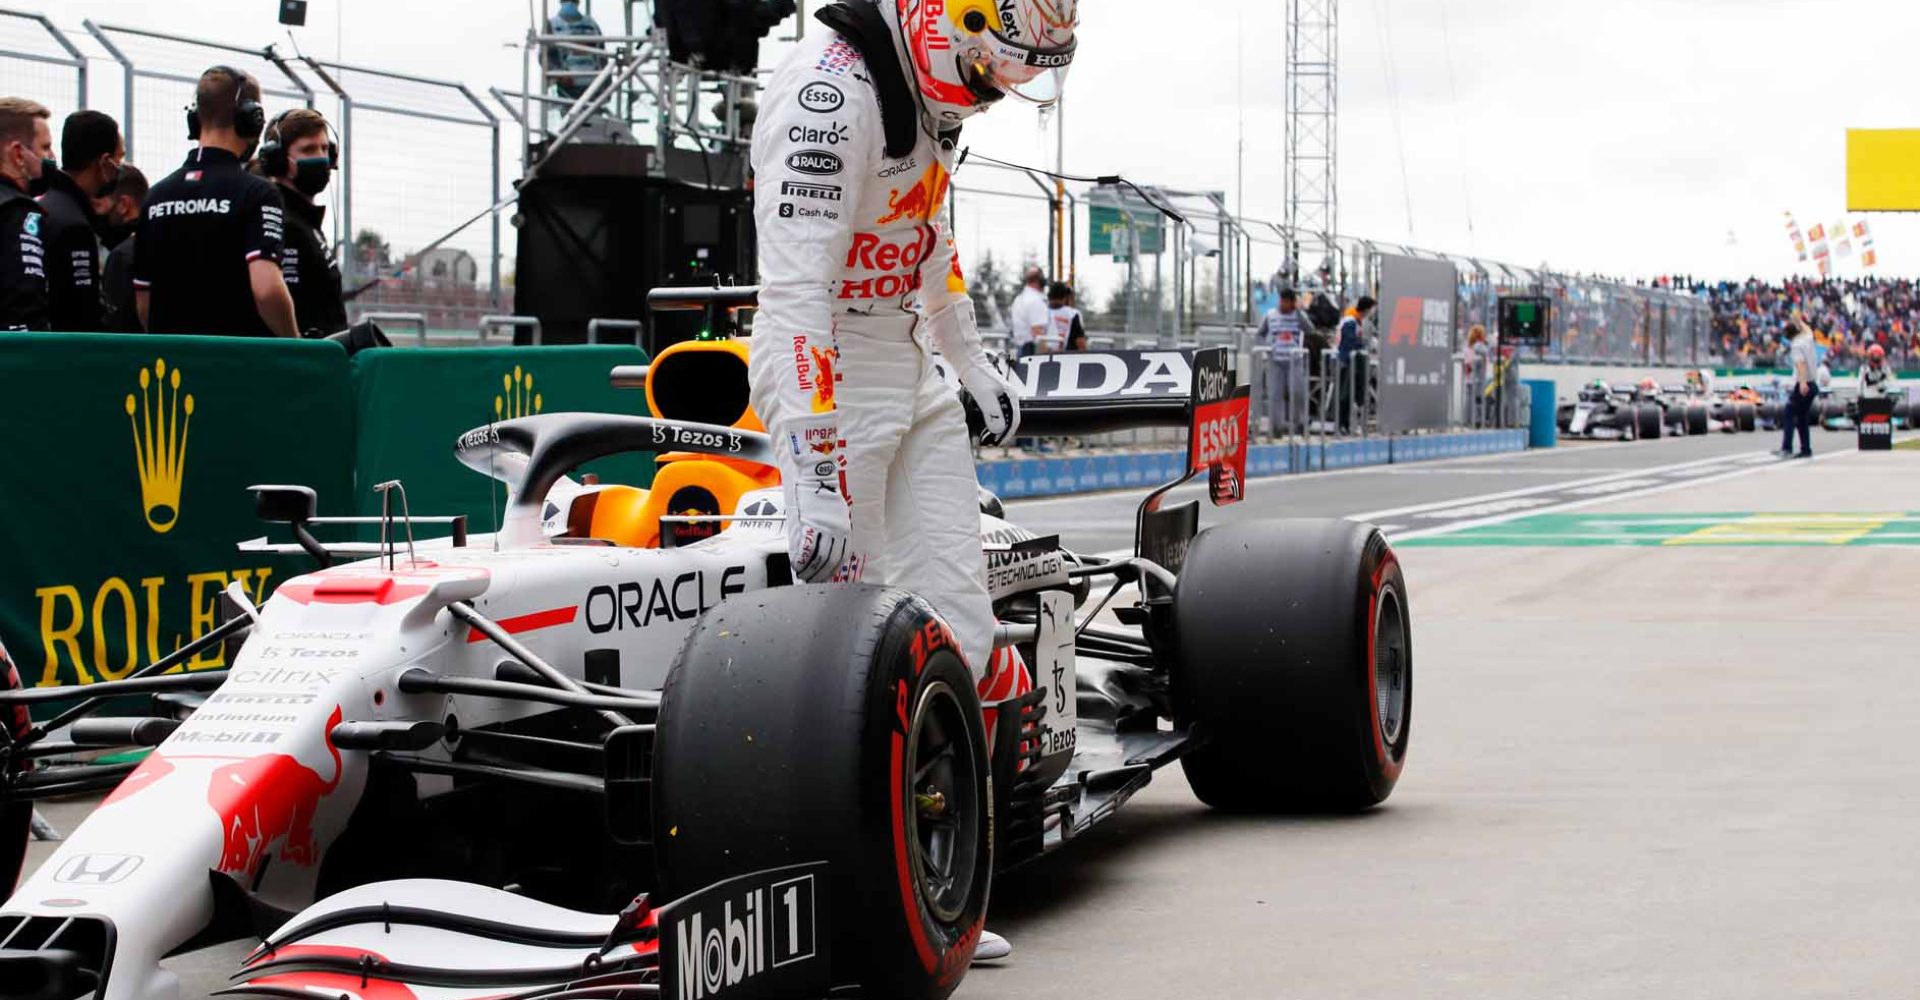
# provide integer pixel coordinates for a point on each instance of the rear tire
(1300, 682)
(1744, 416)
(1697, 418)
(791, 730)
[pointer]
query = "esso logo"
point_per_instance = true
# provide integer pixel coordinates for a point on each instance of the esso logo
(821, 98)
(1219, 439)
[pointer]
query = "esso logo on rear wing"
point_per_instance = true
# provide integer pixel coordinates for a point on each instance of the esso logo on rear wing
(1217, 439)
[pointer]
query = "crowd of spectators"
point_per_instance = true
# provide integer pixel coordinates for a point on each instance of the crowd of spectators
(1753, 318)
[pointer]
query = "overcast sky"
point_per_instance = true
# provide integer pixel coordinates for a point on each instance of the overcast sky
(1619, 136)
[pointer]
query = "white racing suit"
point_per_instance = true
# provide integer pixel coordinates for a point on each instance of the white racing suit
(1878, 383)
(858, 286)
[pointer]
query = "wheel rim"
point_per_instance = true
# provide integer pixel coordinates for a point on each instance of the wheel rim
(1391, 666)
(943, 827)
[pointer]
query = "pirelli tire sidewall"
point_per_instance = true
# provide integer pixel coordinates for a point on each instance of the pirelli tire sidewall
(784, 737)
(1276, 629)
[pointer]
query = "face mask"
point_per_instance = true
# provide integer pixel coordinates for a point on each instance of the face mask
(114, 233)
(43, 183)
(310, 175)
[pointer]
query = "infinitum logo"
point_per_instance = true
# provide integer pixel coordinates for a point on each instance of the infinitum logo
(517, 398)
(160, 417)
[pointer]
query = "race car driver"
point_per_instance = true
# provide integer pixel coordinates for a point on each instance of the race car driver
(1877, 380)
(852, 156)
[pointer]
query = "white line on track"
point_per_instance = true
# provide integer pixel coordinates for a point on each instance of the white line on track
(1527, 491)
(1746, 468)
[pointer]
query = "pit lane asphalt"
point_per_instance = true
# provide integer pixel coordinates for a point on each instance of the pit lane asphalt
(1616, 789)
(1103, 522)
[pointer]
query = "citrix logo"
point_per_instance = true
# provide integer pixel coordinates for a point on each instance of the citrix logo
(160, 417)
(517, 398)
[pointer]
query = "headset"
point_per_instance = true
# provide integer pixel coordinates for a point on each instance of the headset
(249, 118)
(273, 152)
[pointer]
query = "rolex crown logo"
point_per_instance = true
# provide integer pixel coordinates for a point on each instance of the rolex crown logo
(160, 417)
(517, 398)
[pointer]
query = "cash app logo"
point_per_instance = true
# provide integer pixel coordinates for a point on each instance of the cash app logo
(160, 416)
(517, 398)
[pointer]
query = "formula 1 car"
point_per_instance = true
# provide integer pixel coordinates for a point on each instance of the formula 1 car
(1604, 412)
(613, 750)
(1735, 410)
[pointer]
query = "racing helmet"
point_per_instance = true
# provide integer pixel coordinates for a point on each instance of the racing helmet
(1877, 354)
(1595, 391)
(967, 55)
(1649, 387)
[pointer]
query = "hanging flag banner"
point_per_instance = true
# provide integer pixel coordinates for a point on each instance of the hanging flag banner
(1799, 241)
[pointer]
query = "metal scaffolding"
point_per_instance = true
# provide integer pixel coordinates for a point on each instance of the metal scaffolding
(1313, 111)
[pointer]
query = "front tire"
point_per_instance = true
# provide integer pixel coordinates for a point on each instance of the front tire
(1295, 666)
(1648, 419)
(835, 724)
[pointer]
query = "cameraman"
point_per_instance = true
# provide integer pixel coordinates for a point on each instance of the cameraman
(297, 154)
(206, 258)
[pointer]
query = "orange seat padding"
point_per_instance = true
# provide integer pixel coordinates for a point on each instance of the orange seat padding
(630, 516)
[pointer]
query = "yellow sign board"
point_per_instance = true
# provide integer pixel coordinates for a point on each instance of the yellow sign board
(1883, 170)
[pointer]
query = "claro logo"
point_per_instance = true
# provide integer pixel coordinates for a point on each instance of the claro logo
(816, 162)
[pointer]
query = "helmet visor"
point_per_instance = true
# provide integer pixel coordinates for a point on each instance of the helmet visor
(1035, 73)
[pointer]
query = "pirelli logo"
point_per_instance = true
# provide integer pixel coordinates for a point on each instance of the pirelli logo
(819, 192)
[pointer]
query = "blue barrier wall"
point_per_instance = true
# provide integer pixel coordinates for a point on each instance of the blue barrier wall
(1012, 479)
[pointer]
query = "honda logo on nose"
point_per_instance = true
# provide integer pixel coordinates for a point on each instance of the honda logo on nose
(97, 869)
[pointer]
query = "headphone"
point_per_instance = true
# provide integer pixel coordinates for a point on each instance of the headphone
(249, 118)
(273, 151)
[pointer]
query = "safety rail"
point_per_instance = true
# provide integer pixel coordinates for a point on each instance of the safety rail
(75, 59)
(488, 324)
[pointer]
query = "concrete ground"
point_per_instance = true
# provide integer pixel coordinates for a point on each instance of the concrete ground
(1636, 770)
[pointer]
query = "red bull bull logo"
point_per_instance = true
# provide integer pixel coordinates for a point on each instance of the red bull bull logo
(824, 378)
(920, 202)
(269, 798)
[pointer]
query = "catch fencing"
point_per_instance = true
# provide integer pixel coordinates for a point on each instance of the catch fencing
(39, 61)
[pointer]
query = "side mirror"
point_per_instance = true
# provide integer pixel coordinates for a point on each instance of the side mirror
(284, 504)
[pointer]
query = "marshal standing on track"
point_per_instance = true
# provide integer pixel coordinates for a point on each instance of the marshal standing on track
(298, 154)
(207, 256)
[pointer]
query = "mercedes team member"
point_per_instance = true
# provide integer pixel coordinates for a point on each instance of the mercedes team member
(26, 158)
(90, 155)
(206, 258)
(860, 284)
(298, 154)
(119, 214)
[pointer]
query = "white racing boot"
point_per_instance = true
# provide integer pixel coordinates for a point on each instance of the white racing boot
(992, 948)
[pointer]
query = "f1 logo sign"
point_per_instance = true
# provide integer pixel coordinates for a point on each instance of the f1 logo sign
(97, 869)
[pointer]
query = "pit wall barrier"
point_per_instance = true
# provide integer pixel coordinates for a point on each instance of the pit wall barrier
(128, 460)
(1014, 479)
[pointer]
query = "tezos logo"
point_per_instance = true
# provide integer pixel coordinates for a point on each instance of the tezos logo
(821, 98)
(160, 417)
(817, 162)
